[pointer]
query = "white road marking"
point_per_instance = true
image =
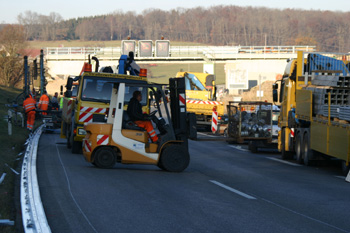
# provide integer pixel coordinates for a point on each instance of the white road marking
(70, 191)
(238, 148)
(303, 215)
(208, 135)
(285, 162)
(233, 190)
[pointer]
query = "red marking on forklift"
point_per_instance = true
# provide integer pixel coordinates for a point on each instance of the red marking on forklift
(87, 146)
(182, 99)
(102, 139)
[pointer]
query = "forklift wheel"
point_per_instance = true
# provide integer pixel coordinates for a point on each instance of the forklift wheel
(174, 158)
(105, 157)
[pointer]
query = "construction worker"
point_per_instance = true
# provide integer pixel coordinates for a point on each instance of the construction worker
(54, 102)
(142, 120)
(29, 108)
(44, 103)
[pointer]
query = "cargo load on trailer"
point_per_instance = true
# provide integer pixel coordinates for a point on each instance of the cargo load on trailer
(250, 122)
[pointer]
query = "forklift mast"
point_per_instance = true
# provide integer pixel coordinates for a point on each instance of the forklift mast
(178, 107)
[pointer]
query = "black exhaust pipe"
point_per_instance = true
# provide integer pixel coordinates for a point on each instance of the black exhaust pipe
(97, 63)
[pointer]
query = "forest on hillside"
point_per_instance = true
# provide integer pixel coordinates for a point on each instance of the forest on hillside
(218, 25)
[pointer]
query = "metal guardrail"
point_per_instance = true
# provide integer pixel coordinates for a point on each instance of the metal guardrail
(33, 214)
(180, 51)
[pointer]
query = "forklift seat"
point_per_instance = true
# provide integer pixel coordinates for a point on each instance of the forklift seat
(128, 124)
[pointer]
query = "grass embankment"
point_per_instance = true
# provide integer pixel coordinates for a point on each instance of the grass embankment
(10, 147)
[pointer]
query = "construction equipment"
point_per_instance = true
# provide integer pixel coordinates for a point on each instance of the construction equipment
(91, 103)
(250, 122)
(201, 97)
(314, 119)
(120, 140)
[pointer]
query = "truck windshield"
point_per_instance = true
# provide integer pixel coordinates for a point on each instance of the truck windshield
(96, 88)
(275, 115)
(193, 83)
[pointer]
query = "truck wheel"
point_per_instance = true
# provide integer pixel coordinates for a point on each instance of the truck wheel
(174, 158)
(76, 146)
(298, 149)
(285, 154)
(307, 152)
(252, 147)
(69, 145)
(345, 169)
(105, 157)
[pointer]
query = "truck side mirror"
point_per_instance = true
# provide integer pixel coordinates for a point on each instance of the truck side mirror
(275, 86)
(69, 83)
(275, 95)
(61, 90)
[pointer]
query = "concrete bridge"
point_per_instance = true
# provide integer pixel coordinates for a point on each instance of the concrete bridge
(234, 66)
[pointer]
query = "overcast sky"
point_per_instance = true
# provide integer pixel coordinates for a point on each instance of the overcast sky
(10, 9)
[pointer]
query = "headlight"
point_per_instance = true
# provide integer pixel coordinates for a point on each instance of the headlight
(81, 131)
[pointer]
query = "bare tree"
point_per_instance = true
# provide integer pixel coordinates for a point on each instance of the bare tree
(12, 42)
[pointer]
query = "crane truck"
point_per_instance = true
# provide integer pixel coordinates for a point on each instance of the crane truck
(201, 97)
(314, 94)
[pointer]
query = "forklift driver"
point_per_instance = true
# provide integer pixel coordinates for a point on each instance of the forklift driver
(142, 120)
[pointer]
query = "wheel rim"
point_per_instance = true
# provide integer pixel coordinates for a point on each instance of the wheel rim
(105, 158)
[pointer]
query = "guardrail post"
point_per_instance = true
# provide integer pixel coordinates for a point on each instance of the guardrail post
(9, 112)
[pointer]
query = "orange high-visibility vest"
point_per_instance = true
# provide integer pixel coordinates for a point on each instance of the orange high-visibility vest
(44, 103)
(29, 104)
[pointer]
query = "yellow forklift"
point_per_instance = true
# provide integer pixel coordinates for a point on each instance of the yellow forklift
(120, 140)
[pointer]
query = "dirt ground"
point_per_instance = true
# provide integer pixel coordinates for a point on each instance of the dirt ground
(251, 95)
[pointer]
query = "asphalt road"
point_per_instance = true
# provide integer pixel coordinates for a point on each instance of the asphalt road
(224, 189)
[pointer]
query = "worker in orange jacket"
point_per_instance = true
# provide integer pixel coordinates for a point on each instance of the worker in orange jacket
(44, 103)
(142, 120)
(29, 108)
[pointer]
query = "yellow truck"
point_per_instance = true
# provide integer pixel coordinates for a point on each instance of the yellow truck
(315, 104)
(91, 103)
(201, 96)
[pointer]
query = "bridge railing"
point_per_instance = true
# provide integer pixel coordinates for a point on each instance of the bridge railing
(175, 51)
